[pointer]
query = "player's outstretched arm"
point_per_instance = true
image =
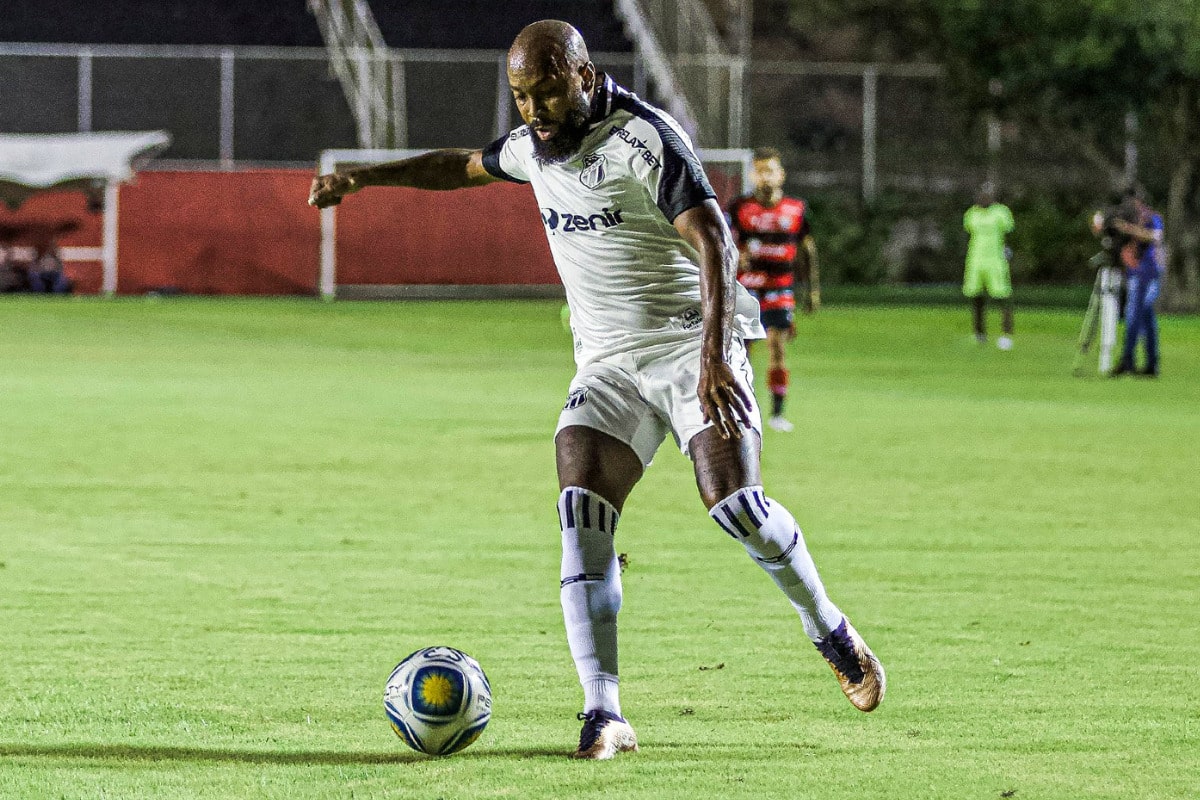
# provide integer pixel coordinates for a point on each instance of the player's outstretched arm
(437, 170)
(723, 399)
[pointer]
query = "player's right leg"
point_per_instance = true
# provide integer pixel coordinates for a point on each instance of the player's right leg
(972, 289)
(606, 437)
(778, 322)
(592, 468)
(978, 319)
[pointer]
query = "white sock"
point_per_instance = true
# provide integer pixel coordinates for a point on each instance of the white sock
(591, 594)
(770, 535)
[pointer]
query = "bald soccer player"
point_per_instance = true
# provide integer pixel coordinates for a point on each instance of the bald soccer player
(659, 324)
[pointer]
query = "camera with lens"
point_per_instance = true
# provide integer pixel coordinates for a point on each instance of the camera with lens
(1112, 240)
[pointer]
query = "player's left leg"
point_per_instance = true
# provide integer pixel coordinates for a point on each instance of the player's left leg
(728, 476)
(972, 289)
(1005, 342)
(998, 283)
(778, 376)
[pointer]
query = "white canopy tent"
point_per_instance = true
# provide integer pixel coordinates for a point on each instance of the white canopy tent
(93, 163)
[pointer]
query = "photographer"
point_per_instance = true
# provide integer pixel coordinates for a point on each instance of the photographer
(1136, 234)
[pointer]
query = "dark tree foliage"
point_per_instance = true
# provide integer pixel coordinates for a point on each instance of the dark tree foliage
(1068, 71)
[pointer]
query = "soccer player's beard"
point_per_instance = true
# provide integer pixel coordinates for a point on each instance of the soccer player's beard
(565, 143)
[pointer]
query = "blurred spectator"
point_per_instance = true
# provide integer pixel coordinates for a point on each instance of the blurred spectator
(46, 270)
(987, 264)
(12, 277)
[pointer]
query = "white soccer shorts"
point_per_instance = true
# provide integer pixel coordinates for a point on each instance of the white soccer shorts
(639, 397)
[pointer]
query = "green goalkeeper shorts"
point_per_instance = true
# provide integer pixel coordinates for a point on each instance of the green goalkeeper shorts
(987, 276)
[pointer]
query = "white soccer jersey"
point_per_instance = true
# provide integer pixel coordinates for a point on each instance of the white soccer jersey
(631, 279)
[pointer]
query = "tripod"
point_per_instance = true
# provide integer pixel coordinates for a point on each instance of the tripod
(1102, 313)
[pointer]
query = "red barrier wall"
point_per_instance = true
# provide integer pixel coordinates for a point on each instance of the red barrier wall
(491, 234)
(218, 233)
(252, 232)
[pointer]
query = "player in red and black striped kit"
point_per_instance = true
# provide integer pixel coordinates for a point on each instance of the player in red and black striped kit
(777, 252)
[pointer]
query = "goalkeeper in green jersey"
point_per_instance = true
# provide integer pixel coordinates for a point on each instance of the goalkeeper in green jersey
(987, 271)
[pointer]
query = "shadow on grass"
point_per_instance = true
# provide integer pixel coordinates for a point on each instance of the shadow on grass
(125, 752)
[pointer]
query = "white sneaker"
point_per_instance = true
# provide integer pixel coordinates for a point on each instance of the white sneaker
(1004, 343)
(778, 423)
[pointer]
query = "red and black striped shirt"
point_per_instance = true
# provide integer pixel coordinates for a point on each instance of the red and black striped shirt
(772, 236)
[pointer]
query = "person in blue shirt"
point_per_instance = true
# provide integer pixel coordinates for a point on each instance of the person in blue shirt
(1142, 258)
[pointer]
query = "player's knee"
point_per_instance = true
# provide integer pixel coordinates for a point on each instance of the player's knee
(712, 495)
(589, 458)
(764, 527)
(724, 466)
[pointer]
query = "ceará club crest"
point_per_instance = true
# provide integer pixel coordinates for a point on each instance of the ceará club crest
(595, 168)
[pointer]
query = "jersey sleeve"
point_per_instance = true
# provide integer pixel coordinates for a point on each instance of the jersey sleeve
(672, 172)
(502, 158)
(684, 184)
(1009, 224)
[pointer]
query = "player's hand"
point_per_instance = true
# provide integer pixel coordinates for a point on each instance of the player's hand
(328, 190)
(723, 399)
(791, 331)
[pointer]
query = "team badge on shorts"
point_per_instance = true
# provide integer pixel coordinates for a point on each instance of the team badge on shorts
(595, 167)
(575, 399)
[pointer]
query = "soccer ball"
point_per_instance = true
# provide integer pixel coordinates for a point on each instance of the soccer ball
(438, 700)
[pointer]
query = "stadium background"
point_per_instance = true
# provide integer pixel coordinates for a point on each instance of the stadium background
(883, 141)
(224, 520)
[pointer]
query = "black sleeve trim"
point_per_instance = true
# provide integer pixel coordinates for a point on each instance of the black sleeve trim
(684, 184)
(491, 161)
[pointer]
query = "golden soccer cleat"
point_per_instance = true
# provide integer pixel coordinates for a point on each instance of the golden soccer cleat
(857, 669)
(604, 735)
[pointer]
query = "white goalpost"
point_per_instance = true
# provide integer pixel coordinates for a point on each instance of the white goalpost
(728, 170)
(330, 161)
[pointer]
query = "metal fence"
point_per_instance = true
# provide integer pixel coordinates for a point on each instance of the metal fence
(253, 104)
(864, 127)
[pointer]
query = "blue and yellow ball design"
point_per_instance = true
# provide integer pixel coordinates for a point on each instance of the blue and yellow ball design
(437, 691)
(438, 700)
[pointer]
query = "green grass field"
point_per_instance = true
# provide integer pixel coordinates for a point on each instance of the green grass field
(222, 522)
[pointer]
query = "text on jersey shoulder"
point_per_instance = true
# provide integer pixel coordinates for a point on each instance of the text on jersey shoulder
(636, 143)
